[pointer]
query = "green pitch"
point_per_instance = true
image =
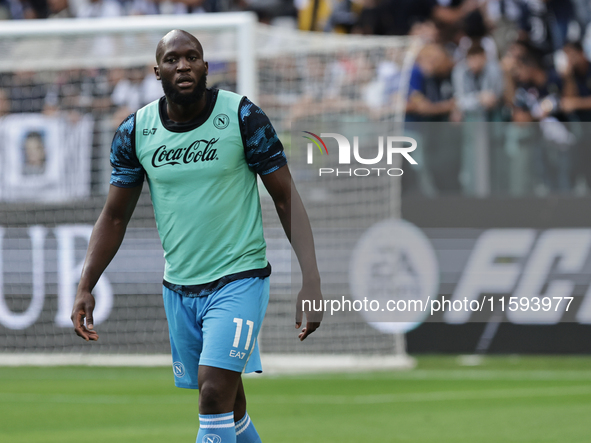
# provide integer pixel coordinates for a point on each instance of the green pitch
(506, 399)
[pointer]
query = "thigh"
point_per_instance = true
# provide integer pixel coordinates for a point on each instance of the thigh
(186, 337)
(231, 324)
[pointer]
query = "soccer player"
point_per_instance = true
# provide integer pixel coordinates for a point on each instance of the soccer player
(201, 150)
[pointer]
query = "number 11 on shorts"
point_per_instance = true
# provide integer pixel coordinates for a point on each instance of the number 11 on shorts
(250, 325)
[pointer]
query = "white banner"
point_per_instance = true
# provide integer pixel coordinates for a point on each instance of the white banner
(44, 159)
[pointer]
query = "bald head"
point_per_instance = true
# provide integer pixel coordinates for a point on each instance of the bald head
(172, 37)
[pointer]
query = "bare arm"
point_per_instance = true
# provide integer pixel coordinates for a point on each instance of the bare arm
(297, 227)
(105, 240)
(419, 104)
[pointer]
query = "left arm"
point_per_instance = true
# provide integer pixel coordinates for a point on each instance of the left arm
(264, 154)
(290, 208)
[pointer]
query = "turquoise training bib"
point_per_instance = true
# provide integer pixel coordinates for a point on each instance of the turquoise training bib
(205, 197)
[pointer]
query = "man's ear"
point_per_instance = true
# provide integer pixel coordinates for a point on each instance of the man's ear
(157, 72)
(206, 68)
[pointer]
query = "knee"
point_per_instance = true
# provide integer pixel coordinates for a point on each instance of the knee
(213, 399)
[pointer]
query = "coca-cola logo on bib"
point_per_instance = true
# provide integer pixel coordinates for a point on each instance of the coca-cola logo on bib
(198, 151)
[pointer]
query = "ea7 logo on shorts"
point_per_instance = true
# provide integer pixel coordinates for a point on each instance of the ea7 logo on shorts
(211, 438)
(149, 131)
(237, 354)
(178, 369)
(221, 121)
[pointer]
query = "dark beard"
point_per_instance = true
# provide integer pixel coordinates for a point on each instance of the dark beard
(181, 99)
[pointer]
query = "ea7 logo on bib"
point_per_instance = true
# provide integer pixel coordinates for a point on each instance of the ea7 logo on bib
(221, 121)
(149, 131)
(212, 438)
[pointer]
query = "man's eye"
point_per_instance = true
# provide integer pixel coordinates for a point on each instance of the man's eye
(193, 58)
(170, 60)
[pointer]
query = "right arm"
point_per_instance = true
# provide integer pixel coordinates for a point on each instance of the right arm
(105, 240)
(126, 186)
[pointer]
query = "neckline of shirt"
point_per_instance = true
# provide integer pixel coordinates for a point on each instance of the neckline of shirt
(210, 96)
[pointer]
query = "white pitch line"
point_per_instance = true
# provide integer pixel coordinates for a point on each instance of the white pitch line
(428, 396)
(96, 399)
(458, 374)
(310, 399)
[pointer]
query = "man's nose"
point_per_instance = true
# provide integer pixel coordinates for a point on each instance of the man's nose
(183, 65)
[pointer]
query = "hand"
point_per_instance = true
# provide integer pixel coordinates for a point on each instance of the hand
(83, 308)
(310, 297)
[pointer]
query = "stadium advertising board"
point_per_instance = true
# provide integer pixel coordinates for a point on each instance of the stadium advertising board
(527, 259)
(446, 277)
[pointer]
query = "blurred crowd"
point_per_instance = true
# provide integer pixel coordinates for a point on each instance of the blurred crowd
(521, 63)
(522, 66)
(47, 9)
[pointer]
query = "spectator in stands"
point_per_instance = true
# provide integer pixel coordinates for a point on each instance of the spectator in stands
(431, 99)
(430, 90)
(576, 103)
(478, 88)
(538, 88)
(476, 32)
(538, 93)
(577, 83)
(477, 84)
(544, 24)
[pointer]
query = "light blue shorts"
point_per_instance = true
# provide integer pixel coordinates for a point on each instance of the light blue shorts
(219, 330)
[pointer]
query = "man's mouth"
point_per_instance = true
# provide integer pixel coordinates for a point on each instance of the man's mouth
(185, 82)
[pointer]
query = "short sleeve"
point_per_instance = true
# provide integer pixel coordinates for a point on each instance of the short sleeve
(262, 147)
(127, 169)
(417, 82)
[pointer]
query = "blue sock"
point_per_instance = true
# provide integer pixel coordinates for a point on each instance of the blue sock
(246, 432)
(216, 428)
